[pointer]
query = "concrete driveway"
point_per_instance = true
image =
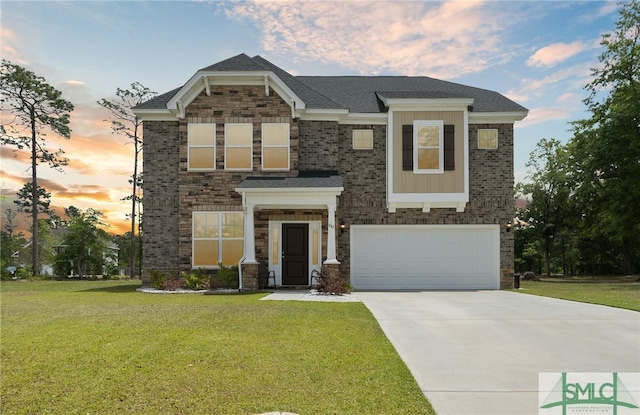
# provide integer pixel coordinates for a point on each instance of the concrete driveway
(480, 352)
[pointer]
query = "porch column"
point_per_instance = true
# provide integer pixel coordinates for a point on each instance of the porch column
(331, 236)
(249, 236)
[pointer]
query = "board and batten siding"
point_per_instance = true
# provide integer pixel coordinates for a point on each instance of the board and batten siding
(450, 181)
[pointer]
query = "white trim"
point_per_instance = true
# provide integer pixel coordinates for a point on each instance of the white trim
(287, 146)
(250, 146)
(196, 84)
(496, 117)
(287, 199)
(189, 147)
(219, 238)
(356, 118)
(426, 201)
(155, 115)
(416, 129)
(277, 268)
(410, 104)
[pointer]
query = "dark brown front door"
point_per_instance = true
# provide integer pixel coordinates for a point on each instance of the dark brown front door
(295, 254)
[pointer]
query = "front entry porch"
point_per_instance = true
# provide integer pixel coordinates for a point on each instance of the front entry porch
(290, 227)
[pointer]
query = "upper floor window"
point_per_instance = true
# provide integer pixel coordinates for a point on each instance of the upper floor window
(362, 139)
(201, 139)
(238, 146)
(275, 146)
(488, 138)
(428, 146)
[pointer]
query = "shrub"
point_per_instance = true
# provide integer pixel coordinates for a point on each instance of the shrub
(227, 276)
(330, 284)
(198, 280)
(157, 278)
(173, 284)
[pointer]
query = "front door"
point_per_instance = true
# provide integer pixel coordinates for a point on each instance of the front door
(295, 254)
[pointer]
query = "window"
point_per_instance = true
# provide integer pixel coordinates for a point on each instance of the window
(488, 138)
(238, 146)
(435, 147)
(217, 237)
(428, 154)
(201, 139)
(275, 146)
(362, 139)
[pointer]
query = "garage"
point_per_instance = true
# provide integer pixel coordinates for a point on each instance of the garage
(425, 257)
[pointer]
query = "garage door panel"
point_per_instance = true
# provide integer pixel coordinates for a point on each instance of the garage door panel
(425, 257)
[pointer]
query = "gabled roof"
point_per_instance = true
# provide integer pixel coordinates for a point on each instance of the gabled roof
(238, 63)
(355, 94)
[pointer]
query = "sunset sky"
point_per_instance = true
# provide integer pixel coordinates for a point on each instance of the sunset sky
(538, 53)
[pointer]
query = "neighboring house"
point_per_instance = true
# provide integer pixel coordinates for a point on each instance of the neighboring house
(394, 182)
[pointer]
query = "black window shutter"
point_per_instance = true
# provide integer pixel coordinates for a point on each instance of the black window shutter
(407, 147)
(449, 148)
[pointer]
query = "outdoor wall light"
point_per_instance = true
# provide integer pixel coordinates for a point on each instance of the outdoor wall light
(508, 226)
(343, 227)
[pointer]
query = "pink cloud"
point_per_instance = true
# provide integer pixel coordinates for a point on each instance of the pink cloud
(413, 38)
(553, 54)
(540, 115)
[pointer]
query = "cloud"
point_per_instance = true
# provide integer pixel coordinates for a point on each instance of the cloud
(574, 77)
(540, 115)
(555, 53)
(412, 38)
(570, 98)
(606, 9)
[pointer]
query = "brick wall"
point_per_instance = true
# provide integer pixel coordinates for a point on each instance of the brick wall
(364, 198)
(161, 200)
(314, 146)
(214, 191)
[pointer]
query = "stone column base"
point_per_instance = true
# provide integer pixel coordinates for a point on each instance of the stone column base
(250, 277)
(331, 270)
(506, 279)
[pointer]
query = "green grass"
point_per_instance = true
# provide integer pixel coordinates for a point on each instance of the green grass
(102, 348)
(621, 292)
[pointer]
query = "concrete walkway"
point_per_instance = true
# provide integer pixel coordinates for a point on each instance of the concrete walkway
(310, 295)
(480, 352)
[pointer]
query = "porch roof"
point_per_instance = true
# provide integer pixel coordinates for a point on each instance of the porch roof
(304, 181)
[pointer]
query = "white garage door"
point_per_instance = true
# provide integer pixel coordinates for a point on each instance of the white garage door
(425, 257)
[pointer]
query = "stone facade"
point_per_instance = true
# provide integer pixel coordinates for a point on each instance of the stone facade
(161, 200)
(172, 192)
(214, 190)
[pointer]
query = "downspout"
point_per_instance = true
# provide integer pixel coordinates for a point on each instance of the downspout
(244, 247)
(240, 274)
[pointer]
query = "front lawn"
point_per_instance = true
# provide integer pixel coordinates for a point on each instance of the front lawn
(621, 292)
(100, 347)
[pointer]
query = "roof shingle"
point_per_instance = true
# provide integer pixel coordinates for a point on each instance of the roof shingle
(358, 94)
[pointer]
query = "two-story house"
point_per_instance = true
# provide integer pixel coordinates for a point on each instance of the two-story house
(394, 182)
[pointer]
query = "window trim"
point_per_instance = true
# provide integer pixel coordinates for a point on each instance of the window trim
(353, 138)
(416, 127)
(487, 129)
(250, 146)
(190, 146)
(287, 146)
(220, 238)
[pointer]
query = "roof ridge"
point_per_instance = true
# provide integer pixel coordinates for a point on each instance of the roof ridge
(271, 66)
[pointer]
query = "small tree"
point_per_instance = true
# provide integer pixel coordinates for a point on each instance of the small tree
(85, 245)
(36, 107)
(548, 195)
(125, 122)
